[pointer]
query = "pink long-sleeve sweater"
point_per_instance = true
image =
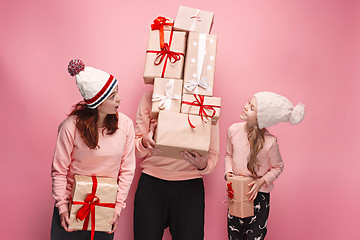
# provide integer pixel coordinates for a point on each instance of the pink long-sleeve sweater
(238, 149)
(115, 158)
(168, 168)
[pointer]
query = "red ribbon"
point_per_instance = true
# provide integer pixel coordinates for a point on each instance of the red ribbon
(230, 191)
(166, 54)
(159, 24)
(202, 107)
(89, 208)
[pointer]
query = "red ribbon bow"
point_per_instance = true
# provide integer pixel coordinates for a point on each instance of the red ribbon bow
(159, 24)
(166, 54)
(230, 191)
(89, 208)
(202, 107)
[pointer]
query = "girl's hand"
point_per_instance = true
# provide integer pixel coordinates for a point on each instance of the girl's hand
(229, 174)
(200, 162)
(114, 223)
(65, 221)
(255, 185)
(148, 140)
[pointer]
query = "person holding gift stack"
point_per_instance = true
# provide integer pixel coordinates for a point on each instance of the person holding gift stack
(94, 140)
(253, 152)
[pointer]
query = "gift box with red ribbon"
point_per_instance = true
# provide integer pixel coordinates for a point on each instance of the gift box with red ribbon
(239, 205)
(92, 203)
(167, 61)
(166, 95)
(199, 70)
(206, 107)
(174, 134)
(194, 20)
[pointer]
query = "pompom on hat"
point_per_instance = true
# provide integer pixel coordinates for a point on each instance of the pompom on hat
(94, 85)
(273, 108)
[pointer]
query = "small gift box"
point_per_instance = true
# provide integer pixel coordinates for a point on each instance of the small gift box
(239, 205)
(166, 95)
(167, 62)
(200, 64)
(92, 203)
(206, 107)
(192, 19)
(174, 134)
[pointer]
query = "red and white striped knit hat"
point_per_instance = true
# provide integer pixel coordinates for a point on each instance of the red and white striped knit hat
(94, 85)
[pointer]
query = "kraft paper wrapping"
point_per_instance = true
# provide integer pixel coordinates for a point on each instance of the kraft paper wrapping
(168, 27)
(106, 191)
(174, 134)
(192, 19)
(240, 206)
(172, 70)
(166, 95)
(199, 67)
(209, 101)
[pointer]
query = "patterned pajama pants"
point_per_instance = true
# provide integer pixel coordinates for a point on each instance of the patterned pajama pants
(251, 228)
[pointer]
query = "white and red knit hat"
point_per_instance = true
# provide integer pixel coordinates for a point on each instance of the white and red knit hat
(273, 108)
(94, 85)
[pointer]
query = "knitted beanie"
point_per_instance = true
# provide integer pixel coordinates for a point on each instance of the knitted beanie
(94, 85)
(273, 108)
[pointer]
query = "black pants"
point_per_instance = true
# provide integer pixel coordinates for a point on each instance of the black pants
(59, 233)
(251, 228)
(178, 205)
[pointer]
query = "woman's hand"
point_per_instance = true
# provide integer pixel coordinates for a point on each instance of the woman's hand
(65, 221)
(255, 185)
(199, 161)
(148, 140)
(229, 174)
(114, 223)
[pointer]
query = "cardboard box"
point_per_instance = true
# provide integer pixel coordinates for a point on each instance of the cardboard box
(240, 206)
(194, 20)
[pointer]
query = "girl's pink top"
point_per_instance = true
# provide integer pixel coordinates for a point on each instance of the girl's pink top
(168, 168)
(115, 158)
(238, 149)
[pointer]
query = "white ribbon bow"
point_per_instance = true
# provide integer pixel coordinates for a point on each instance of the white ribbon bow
(165, 100)
(192, 84)
(195, 18)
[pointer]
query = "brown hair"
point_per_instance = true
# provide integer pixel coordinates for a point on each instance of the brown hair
(256, 139)
(87, 120)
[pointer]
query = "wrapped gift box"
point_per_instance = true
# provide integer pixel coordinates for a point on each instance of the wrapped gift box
(192, 19)
(174, 134)
(240, 206)
(167, 62)
(166, 95)
(105, 191)
(209, 107)
(200, 64)
(162, 24)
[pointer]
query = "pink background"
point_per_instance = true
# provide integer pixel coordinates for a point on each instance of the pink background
(307, 50)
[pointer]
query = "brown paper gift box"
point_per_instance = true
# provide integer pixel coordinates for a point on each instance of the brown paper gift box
(106, 192)
(166, 95)
(240, 206)
(199, 70)
(211, 105)
(174, 134)
(165, 69)
(192, 19)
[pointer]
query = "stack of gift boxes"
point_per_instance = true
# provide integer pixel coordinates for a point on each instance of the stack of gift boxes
(180, 62)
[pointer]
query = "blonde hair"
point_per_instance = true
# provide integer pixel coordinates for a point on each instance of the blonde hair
(256, 139)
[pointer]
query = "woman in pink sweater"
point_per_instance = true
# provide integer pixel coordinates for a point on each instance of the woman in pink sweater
(252, 151)
(95, 140)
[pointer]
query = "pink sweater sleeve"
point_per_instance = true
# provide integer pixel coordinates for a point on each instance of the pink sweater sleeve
(127, 168)
(61, 162)
(276, 163)
(143, 121)
(213, 150)
(229, 154)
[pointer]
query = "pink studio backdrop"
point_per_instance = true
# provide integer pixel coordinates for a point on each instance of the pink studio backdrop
(307, 50)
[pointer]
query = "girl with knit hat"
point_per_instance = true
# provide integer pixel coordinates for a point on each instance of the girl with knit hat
(253, 152)
(94, 140)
